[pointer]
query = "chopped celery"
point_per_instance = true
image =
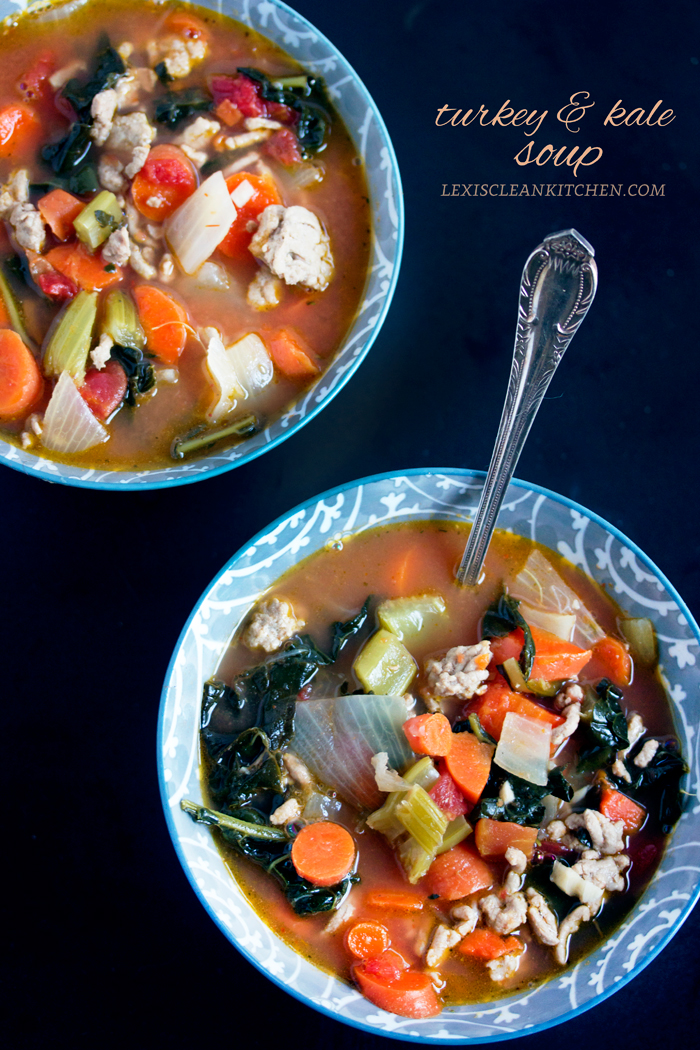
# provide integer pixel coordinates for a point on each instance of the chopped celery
(384, 665)
(456, 831)
(408, 618)
(422, 819)
(535, 685)
(291, 82)
(414, 860)
(98, 219)
(121, 321)
(14, 309)
(641, 638)
(384, 819)
(69, 344)
(422, 773)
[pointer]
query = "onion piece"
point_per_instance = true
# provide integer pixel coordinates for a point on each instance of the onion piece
(252, 362)
(69, 425)
(562, 625)
(337, 738)
(222, 372)
(523, 748)
(539, 584)
(198, 227)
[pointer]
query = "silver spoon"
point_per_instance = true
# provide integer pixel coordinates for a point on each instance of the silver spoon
(558, 285)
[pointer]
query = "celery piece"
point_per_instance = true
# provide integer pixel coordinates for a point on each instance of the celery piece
(414, 859)
(408, 618)
(384, 665)
(14, 309)
(69, 345)
(121, 321)
(422, 773)
(384, 819)
(535, 685)
(641, 638)
(98, 220)
(422, 819)
(456, 831)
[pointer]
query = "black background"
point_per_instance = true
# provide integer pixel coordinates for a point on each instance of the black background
(109, 945)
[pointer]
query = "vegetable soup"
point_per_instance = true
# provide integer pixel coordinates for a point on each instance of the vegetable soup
(442, 795)
(186, 232)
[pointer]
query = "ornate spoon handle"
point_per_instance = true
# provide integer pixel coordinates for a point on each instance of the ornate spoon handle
(558, 285)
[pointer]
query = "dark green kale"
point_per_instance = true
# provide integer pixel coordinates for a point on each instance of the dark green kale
(175, 106)
(308, 100)
(527, 807)
(109, 66)
(68, 154)
(161, 71)
(472, 724)
(140, 373)
(539, 877)
(341, 632)
(607, 729)
(657, 785)
(503, 617)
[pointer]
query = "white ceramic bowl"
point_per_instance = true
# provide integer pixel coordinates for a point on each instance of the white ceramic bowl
(586, 540)
(299, 39)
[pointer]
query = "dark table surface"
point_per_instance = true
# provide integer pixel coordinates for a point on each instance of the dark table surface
(109, 946)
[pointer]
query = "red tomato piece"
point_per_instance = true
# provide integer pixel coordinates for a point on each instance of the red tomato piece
(34, 85)
(235, 243)
(448, 797)
(57, 286)
(165, 182)
(18, 126)
(284, 147)
(241, 91)
(104, 389)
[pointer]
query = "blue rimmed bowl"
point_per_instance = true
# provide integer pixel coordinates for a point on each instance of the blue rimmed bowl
(587, 541)
(298, 38)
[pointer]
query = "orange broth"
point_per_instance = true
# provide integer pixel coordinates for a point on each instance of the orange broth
(404, 560)
(141, 436)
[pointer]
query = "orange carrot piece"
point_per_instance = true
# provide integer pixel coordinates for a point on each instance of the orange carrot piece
(493, 706)
(493, 837)
(367, 939)
(554, 658)
(323, 853)
(21, 383)
(429, 735)
(59, 210)
(485, 944)
(4, 316)
(458, 872)
(165, 182)
(187, 25)
(228, 113)
(289, 357)
(410, 994)
(18, 126)
(469, 764)
(394, 901)
(88, 271)
(616, 806)
(164, 322)
(612, 660)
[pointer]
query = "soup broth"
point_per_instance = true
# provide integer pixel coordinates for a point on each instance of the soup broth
(419, 559)
(298, 321)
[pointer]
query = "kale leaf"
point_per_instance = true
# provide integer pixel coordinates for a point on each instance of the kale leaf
(68, 154)
(607, 728)
(309, 101)
(657, 785)
(109, 66)
(140, 373)
(472, 724)
(341, 632)
(503, 617)
(539, 876)
(527, 807)
(175, 106)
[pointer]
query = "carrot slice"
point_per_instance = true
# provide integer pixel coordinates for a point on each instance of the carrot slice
(164, 322)
(21, 383)
(59, 209)
(289, 357)
(410, 994)
(18, 126)
(493, 706)
(493, 837)
(185, 24)
(88, 271)
(429, 735)
(554, 658)
(394, 901)
(458, 872)
(165, 182)
(485, 944)
(469, 764)
(323, 853)
(611, 660)
(616, 806)
(367, 939)
(228, 113)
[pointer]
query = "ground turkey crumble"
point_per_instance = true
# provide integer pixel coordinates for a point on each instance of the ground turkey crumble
(273, 624)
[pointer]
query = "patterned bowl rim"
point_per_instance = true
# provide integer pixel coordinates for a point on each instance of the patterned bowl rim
(187, 479)
(248, 955)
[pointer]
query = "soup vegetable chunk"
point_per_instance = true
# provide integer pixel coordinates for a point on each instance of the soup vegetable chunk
(184, 235)
(445, 794)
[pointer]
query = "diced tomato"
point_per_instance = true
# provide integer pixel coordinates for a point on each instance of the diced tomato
(241, 91)
(19, 125)
(104, 389)
(57, 286)
(235, 243)
(616, 806)
(386, 966)
(165, 182)
(34, 85)
(283, 145)
(448, 797)
(285, 114)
